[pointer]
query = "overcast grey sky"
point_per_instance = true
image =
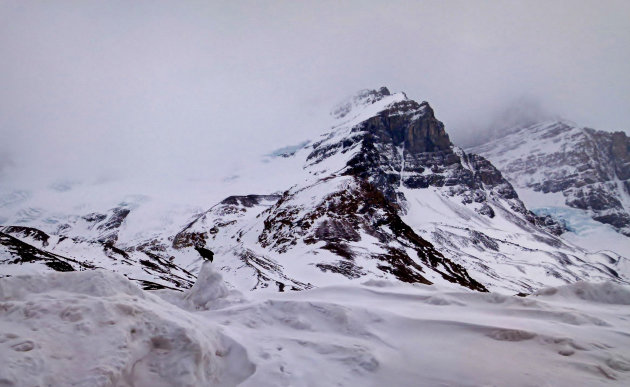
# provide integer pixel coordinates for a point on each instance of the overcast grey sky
(171, 87)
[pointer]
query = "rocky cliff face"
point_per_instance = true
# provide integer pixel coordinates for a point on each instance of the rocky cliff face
(589, 168)
(404, 145)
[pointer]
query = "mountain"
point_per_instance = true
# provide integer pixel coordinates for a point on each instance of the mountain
(386, 194)
(383, 194)
(568, 171)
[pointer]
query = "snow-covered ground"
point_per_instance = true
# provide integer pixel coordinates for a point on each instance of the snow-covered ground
(96, 328)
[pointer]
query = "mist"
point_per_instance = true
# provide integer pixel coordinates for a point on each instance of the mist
(165, 89)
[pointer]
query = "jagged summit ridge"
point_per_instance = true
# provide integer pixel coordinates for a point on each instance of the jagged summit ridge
(360, 99)
(410, 123)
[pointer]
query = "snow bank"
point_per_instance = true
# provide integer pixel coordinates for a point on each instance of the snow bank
(391, 334)
(605, 292)
(208, 292)
(96, 328)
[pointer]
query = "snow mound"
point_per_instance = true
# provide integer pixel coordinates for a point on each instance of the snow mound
(209, 290)
(97, 283)
(96, 328)
(604, 293)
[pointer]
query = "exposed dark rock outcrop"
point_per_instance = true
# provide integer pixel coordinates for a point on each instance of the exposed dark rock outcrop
(206, 254)
(21, 252)
(232, 205)
(111, 225)
(27, 232)
(341, 217)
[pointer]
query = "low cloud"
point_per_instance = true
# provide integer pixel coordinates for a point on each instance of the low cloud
(167, 89)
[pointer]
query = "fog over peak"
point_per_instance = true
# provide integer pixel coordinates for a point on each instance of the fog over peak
(167, 89)
(519, 111)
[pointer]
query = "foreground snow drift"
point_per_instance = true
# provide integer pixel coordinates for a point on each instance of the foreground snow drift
(98, 329)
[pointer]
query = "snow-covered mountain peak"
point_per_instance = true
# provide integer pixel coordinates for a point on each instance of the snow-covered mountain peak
(381, 196)
(392, 121)
(361, 98)
(364, 103)
(499, 131)
(545, 129)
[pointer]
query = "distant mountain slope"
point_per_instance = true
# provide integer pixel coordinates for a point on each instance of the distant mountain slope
(28, 250)
(589, 169)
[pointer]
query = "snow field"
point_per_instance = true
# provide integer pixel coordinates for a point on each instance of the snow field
(96, 328)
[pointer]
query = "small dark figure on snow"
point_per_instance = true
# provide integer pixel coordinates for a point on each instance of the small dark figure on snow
(206, 254)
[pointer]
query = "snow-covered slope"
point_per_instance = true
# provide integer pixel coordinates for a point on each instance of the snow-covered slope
(86, 227)
(29, 250)
(336, 230)
(98, 329)
(572, 173)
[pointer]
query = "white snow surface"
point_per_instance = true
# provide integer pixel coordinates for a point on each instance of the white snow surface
(96, 328)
